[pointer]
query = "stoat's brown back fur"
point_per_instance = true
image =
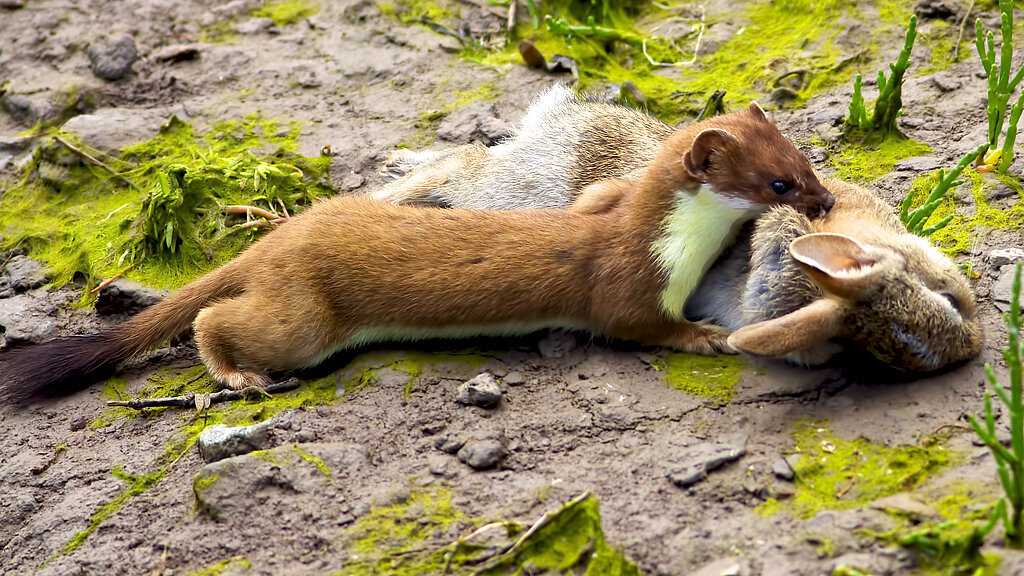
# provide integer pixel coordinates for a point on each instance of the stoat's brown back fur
(353, 270)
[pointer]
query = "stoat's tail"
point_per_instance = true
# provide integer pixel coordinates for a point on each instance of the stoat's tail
(69, 364)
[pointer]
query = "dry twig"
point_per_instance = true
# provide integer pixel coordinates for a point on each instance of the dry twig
(189, 400)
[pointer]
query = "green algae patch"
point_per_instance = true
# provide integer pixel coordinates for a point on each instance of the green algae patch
(419, 536)
(314, 460)
(406, 538)
(711, 377)
(837, 474)
(135, 485)
(287, 12)
(201, 482)
(868, 162)
(962, 231)
(154, 212)
(787, 46)
(940, 41)
(572, 542)
(236, 563)
(950, 544)
(363, 370)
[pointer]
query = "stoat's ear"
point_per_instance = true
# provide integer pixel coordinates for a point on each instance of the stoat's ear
(757, 112)
(698, 159)
(838, 264)
(799, 330)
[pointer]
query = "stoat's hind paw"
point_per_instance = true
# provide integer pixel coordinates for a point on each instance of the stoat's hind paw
(246, 379)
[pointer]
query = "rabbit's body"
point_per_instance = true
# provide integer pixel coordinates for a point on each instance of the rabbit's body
(916, 312)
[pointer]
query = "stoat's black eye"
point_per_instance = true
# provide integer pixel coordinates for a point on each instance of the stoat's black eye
(781, 186)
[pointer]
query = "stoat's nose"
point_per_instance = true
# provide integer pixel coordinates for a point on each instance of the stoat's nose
(827, 204)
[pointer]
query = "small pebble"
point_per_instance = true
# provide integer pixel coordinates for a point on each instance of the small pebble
(483, 390)
(482, 454)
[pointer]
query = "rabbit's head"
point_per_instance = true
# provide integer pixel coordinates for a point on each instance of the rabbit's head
(899, 298)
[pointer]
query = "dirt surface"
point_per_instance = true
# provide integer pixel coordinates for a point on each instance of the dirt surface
(576, 415)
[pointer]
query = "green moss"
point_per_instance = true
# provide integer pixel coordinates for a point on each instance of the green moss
(391, 539)
(961, 233)
(406, 10)
(951, 544)
(135, 485)
(838, 474)
(863, 164)
(363, 369)
(483, 93)
(417, 536)
(202, 481)
(571, 543)
(238, 563)
(161, 215)
(775, 38)
(940, 40)
(307, 457)
(711, 377)
(285, 12)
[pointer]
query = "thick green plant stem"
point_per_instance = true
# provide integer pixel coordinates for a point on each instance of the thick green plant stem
(890, 92)
(1009, 461)
(1006, 156)
(1000, 84)
(915, 219)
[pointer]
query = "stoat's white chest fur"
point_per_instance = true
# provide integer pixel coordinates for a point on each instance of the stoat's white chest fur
(693, 235)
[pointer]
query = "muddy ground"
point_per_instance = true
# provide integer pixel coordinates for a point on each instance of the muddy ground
(576, 415)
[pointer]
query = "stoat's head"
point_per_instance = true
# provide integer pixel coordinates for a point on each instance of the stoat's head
(743, 156)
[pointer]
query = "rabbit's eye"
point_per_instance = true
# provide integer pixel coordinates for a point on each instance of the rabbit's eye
(953, 301)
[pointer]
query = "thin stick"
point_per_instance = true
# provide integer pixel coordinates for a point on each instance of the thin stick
(284, 208)
(960, 36)
(94, 160)
(846, 490)
(107, 282)
(250, 210)
(189, 400)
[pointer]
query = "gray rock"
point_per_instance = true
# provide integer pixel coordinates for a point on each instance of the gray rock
(125, 296)
(514, 378)
(448, 443)
(352, 181)
(724, 567)
(177, 52)
(253, 26)
(905, 503)
(482, 454)
(557, 344)
(21, 108)
(483, 390)
(24, 273)
(78, 423)
(1003, 256)
(24, 319)
(220, 442)
(785, 468)
(112, 129)
(919, 164)
(439, 466)
(694, 462)
(1002, 290)
(817, 155)
(114, 61)
(474, 122)
(945, 81)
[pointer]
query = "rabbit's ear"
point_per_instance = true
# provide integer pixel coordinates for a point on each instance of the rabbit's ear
(806, 327)
(838, 264)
